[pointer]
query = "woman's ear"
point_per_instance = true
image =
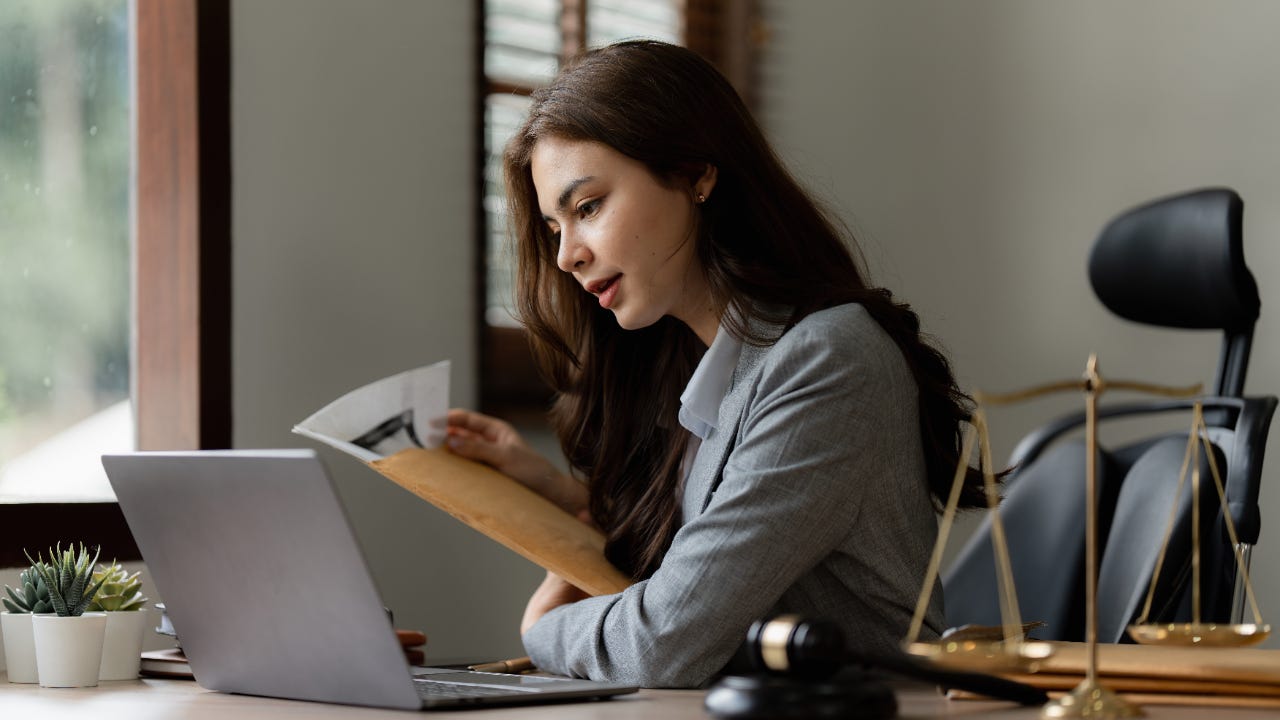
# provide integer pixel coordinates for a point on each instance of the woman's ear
(705, 183)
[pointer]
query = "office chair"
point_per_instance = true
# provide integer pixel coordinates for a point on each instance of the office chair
(1175, 262)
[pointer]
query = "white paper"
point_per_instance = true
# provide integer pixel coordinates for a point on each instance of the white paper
(397, 412)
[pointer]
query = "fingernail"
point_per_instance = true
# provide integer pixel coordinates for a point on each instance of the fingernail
(454, 442)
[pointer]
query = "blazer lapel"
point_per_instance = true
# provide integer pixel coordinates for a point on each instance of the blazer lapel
(710, 460)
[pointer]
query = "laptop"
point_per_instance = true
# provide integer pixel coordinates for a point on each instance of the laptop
(269, 593)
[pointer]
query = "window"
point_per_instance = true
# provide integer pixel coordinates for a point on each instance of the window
(523, 44)
(64, 246)
(177, 370)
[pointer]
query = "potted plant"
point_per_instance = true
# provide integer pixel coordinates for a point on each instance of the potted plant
(15, 624)
(120, 597)
(68, 641)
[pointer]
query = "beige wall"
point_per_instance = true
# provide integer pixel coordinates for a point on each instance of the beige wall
(976, 149)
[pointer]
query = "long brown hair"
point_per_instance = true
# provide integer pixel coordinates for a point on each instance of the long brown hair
(765, 246)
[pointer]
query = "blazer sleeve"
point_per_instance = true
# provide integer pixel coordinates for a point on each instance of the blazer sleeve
(811, 444)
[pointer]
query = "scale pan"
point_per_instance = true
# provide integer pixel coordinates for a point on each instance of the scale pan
(1199, 634)
(982, 656)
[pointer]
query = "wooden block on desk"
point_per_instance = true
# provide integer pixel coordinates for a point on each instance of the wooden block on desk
(1124, 684)
(1146, 674)
(1231, 665)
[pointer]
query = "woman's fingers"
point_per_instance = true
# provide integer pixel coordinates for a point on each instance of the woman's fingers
(489, 427)
(490, 441)
(496, 443)
(474, 446)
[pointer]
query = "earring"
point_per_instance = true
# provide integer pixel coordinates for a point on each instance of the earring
(700, 198)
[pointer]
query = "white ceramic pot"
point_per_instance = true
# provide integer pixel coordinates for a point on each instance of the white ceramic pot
(122, 646)
(69, 649)
(19, 647)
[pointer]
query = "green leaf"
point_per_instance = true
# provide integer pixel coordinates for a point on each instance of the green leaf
(66, 573)
(120, 591)
(12, 608)
(55, 594)
(76, 592)
(77, 597)
(88, 598)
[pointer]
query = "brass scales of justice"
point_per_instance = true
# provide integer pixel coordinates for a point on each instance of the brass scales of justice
(1013, 652)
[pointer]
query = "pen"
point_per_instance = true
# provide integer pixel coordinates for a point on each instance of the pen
(515, 665)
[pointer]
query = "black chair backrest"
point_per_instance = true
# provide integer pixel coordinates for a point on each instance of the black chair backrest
(1179, 262)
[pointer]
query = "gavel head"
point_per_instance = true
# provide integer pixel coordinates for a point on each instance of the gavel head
(797, 647)
(795, 661)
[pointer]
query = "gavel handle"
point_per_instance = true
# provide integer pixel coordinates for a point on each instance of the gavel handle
(980, 683)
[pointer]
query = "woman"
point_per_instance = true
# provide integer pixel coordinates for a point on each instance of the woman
(755, 428)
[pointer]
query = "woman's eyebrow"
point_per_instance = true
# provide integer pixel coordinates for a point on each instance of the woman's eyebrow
(562, 203)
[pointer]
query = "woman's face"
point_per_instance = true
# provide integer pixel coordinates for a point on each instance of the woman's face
(627, 239)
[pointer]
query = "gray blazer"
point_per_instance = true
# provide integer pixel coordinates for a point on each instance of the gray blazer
(809, 498)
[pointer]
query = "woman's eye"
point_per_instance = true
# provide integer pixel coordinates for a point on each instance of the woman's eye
(589, 208)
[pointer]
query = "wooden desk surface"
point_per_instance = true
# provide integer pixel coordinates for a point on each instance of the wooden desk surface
(149, 699)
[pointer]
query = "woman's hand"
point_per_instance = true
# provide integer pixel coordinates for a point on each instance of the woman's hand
(495, 443)
(551, 594)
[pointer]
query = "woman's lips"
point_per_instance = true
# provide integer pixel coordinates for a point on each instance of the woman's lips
(605, 290)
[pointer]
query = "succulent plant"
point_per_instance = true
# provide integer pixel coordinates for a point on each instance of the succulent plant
(32, 596)
(68, 576)
(118, 591)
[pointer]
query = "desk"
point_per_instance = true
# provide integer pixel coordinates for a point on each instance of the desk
(152, 699)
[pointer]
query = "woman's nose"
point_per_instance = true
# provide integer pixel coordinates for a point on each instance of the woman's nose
(572, 255)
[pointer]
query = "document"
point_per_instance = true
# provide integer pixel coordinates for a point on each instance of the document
(392, 414)
(397, 426)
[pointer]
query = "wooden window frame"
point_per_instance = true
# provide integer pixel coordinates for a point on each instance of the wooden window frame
(509, 382)
(182, 263)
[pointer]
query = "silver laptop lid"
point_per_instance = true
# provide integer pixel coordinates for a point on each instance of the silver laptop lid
(262, 576)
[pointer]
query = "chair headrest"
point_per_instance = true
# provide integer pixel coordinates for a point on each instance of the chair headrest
(1177, 262)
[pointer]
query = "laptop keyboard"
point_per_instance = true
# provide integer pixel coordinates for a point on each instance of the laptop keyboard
(477, 685)
(433, 690)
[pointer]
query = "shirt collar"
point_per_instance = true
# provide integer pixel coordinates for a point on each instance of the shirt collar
(700, 402)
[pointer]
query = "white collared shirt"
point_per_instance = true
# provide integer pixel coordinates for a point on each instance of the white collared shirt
(700, 401)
